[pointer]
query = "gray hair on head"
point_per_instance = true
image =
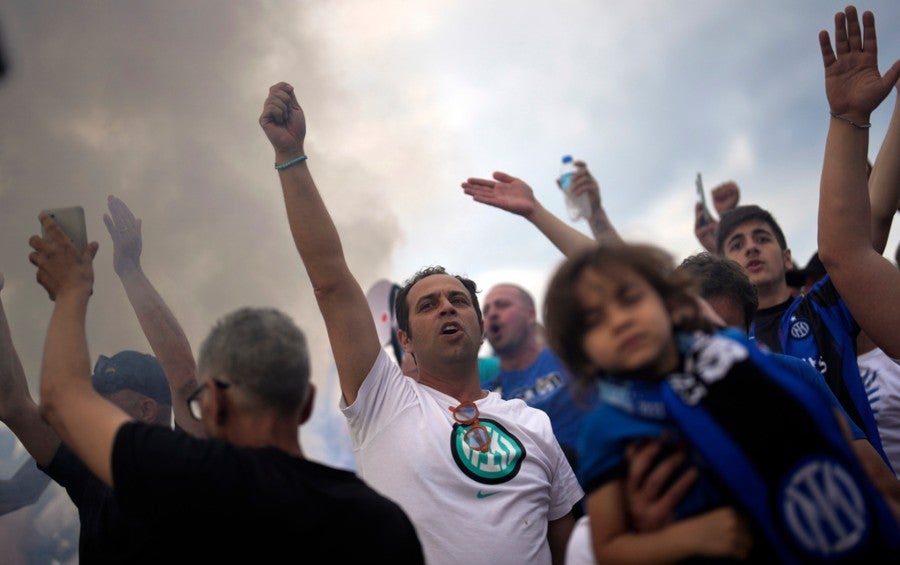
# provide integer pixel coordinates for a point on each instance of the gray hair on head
(262, 352)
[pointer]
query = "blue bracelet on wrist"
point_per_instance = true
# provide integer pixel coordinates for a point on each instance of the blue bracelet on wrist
(293, 161)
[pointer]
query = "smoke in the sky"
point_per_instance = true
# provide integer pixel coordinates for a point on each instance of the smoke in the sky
(157, 103)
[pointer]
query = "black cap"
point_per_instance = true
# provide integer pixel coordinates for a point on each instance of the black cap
(131, 370)
(814, 270)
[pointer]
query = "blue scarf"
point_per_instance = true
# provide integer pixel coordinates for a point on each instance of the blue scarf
(776, 447)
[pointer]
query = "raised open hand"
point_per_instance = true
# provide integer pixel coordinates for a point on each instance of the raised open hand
(505, 192)
(125, 231)
(853, 85)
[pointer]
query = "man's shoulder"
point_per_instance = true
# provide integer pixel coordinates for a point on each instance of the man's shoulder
(793, 364)
(823, 294)
(546, 362)
(549, 356)
(515, 409)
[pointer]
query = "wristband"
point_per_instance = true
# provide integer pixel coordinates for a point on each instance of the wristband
(851, 122)
(290, 163)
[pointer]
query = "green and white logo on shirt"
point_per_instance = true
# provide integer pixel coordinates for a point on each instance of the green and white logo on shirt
(499, 464)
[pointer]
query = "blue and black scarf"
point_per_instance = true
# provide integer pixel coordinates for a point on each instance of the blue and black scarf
(780, 452)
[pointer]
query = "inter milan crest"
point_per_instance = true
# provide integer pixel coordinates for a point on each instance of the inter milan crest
(824, 509)
(498, 464)
(799, 328)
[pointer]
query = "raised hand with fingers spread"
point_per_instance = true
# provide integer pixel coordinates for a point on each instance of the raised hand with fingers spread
(505, 192)
(159, 324)
(855, 87)
(125, 231)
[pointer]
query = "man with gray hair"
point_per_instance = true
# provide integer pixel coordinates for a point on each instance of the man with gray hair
(245, 493)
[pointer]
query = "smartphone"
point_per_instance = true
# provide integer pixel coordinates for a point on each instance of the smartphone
(71, 220)
(701, 197)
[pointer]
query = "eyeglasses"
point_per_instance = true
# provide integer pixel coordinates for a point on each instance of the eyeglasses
(193, 401)
(477, 436)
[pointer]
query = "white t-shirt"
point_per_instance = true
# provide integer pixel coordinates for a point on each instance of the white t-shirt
(467, 506)
(580, 550)
(881, 377)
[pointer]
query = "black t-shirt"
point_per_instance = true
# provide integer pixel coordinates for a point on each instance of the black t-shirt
(209, 501)
(107, 534)
(767, 322)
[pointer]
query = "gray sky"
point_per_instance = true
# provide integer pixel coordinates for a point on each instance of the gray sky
(157, 103)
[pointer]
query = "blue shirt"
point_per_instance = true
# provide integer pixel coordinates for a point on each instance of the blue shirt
(545, 385)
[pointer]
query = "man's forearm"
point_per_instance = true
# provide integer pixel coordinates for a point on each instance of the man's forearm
(20, 412)
(844, 214)
(884, 182)
(565, 237)
(602, 228)
(168, 341)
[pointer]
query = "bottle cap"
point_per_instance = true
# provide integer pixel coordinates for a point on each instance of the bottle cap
(567, 159)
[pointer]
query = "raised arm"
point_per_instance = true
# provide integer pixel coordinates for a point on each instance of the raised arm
(18, 409)
(884, 181)
(165, 335)
(515, 196)
(583, 182)
(348, 319)
(705, 228)
(854, 88)
(725, 196)
(84, 420)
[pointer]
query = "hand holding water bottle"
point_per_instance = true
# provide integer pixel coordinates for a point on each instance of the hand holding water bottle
(579, 205)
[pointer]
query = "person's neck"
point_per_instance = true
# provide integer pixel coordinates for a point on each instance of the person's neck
(522, 358)
(267, 430)
(459, 381)
(772, 295)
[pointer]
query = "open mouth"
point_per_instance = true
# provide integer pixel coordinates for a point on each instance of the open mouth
(754, 265)
(449, 329)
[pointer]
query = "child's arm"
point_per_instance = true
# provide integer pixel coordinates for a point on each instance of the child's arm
(718, 533)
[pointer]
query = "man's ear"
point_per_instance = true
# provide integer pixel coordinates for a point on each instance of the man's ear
(219, 404)
(685, 308)
(308, 403)
(787, 258)
(147, 410)
(405, 341)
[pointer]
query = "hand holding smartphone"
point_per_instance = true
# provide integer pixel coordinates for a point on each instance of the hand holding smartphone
(701, 197)
(71, 220)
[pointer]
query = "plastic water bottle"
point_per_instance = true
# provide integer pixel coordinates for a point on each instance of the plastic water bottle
(580, 206)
